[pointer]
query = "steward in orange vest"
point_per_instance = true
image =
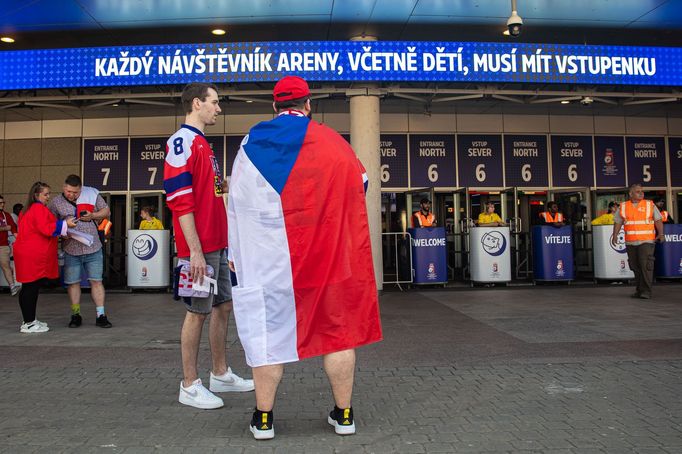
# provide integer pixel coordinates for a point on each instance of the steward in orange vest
(424, 217)
(638, 221)
(552, 215)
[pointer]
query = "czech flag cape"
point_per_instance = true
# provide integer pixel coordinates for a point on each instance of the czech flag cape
(299, 239)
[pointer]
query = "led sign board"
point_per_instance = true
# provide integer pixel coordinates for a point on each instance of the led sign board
(329, 61)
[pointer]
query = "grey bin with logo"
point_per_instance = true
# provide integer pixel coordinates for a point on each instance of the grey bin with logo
(148, 253)
(610, 262)
(490, 259)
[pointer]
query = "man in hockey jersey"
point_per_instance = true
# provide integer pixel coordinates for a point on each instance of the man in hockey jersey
(300, 246)
(194, 190)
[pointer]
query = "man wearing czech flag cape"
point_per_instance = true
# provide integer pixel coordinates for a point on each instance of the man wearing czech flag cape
(300, 246)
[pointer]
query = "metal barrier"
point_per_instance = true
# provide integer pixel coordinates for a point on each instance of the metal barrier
(397, 248)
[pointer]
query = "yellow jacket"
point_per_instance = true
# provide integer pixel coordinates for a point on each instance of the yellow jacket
(485, 218)
(604, 219)
(154, 224)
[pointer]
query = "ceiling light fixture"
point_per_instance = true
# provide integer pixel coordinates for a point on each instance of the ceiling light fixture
(218, 31)
(7, 39)
(565, 101)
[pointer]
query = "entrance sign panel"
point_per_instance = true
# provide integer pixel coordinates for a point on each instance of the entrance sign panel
(609, 159)
(432, 160)
(399, 61)
(105, 164)
(525, 161)
(572, 161)
(479, 160)
(646, 160)
(393, 149)
(147, 155)
(675, 150)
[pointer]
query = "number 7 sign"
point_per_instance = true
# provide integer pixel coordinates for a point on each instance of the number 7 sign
(105, 164)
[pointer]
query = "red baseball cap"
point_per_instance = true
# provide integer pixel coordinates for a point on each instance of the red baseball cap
(290, 87)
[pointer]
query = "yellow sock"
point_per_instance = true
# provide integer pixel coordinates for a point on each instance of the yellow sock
(75, 309)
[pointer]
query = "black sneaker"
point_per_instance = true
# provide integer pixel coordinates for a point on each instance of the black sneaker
(103, 322)
(261, 426)
(342, 420)
(76, 321)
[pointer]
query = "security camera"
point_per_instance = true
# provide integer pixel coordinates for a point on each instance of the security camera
(514, 23)
(586, 101)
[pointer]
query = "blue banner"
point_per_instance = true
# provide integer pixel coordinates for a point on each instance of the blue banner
(105, 164)
(675, 150)
(393, 148)
(646, 160)
(609, 159)
(552, 253)
(432, 160)
(390, 61)
(525, 161)
(429, 259)
(669, 254)
(479, 160)
(572, 163)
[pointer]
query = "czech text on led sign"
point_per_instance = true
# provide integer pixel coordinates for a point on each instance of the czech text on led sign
(395, 61)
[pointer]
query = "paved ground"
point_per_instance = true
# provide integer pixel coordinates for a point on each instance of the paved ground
(543, 369)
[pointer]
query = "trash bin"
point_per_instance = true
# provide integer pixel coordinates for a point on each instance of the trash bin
(489, 254)
(148, 258)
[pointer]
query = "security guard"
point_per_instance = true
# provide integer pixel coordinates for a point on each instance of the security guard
(665, 216)
(552, 216)
(424, 217)
(643, 227)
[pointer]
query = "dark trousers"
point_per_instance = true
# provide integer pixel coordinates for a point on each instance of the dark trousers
(641, 261)
(28, 299)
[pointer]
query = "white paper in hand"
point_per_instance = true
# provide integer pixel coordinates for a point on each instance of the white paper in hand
(209, 285)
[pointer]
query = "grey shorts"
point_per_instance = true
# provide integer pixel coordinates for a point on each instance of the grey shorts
(218, 260)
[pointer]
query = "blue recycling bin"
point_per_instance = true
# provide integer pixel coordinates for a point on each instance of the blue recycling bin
(669, 254)
(552, 253)
(429, 255)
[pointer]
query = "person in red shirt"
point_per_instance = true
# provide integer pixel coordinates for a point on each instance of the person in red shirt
(35, 253)
(7, 226)
(194, 193)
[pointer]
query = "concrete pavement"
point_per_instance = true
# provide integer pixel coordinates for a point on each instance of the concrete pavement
(543, 369)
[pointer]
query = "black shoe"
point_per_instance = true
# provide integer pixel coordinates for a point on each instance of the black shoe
(342, 420)
(76, 321)
(262, 426)
(103, 322)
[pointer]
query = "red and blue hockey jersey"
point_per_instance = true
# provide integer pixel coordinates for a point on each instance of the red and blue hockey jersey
(192, 182)
(299, 238)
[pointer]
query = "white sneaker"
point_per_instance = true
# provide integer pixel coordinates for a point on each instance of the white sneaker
(196, 395)
(40, 323)
(15, 288)
(229, 382)
(33, 327)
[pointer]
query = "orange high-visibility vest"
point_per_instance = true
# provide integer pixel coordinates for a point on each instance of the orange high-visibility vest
(638, 221)
(547, 216)
(424, 221)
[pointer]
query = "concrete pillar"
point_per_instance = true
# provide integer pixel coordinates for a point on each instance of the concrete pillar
(364, 136)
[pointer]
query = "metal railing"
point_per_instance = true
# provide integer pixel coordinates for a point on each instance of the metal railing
(397, 248)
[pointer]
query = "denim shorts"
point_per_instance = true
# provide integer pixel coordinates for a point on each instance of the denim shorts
(218, 260)
(93, 264)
